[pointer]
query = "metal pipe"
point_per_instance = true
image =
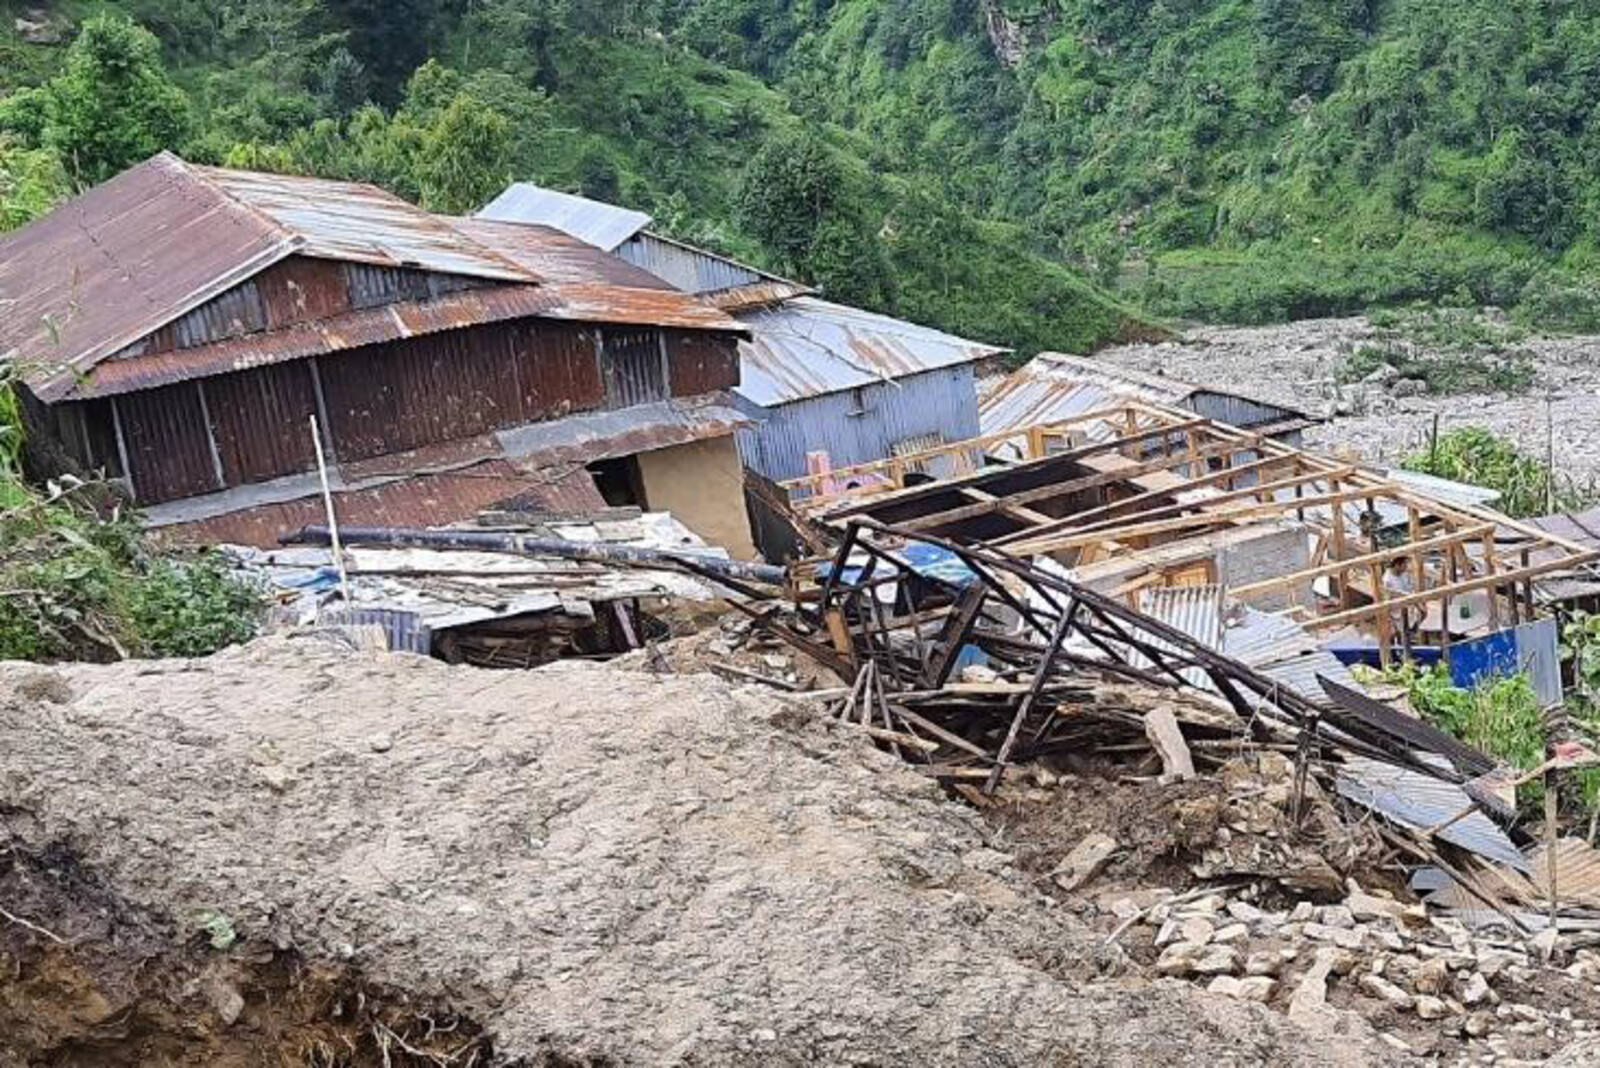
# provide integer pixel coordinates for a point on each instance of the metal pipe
(526, 545)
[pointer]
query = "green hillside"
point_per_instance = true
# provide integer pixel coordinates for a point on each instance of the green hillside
(444, 103)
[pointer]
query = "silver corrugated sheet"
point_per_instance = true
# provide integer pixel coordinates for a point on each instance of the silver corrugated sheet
(603, 225)
(685, 267)
(602, 435)
(859, 427)
(1421, 802)
(807, 347)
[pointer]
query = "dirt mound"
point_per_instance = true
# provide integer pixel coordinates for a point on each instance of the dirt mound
(591, 864)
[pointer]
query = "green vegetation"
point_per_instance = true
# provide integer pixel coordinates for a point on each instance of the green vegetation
(596, 98)
(75, 584)
(1527, 486)
(1501, 718)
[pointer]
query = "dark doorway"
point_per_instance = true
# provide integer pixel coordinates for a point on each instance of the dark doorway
(619, 482)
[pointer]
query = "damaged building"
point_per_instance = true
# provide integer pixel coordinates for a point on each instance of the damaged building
(822, 383)
(180, 327)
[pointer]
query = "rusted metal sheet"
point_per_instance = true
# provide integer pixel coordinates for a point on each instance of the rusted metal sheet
(120, 262)
(426, 500)
(261, 421)
(622, 432)
(302, 289)
(168, 444)
(389, 398)
(755, 295)
(635, 367)
(558, 366)
(700, 363)
(361, 223)
(351, 330)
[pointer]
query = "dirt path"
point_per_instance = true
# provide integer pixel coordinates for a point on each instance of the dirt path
(1296, 364)
(597, 866)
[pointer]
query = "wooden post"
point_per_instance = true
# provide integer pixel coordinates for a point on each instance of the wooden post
(1385, 623)
(333, 520)
(1339, 552)
(1492, 568)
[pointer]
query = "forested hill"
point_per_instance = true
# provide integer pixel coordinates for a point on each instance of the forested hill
(966, 163)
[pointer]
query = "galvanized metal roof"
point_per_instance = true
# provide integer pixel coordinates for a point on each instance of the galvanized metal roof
(1422, 802)
(1582, 528)
(1054, 386)
(808, 347)
(152, 244)
(603, 225)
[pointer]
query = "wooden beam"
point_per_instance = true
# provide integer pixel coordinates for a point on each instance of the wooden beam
(1499, 578)
(1383, 557)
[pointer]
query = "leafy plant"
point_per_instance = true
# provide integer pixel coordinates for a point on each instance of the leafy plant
(1477, 456)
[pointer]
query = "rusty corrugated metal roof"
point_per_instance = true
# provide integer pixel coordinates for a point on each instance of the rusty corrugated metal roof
(423, 500)
(755, 295)
(807, 347)
(159, 240)
(371, 326)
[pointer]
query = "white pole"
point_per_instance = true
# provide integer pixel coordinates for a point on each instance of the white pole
(333, 522)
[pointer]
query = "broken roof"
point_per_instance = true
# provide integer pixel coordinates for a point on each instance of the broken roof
(602, 225)
(808, 347)
(1055, 386)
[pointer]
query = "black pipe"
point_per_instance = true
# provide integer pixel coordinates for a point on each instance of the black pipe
(526, 545)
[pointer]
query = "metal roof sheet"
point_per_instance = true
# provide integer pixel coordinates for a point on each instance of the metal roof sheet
(808, 347)
(164, 237)
(1580, 527)
(603, 225)
(353, 221)
(1421, 802)
(622, 432)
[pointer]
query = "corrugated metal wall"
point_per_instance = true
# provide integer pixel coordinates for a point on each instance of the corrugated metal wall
(684, 268)
(558, 369)
(635, 367)
(700, 363)
(169, 449)
(261, 420)
(1236, 411)
(859, 426)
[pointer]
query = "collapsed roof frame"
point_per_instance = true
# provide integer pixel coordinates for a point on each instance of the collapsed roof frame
(1189, 483)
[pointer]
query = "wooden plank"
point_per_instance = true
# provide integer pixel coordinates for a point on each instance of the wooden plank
(1354, 615)
(1382, 557)
(954, 634)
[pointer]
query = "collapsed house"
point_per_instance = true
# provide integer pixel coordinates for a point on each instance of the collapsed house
(821, 382)
(180, 327)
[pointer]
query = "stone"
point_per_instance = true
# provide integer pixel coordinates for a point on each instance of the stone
(1234, 932)
(1245, 912)
(1408, 387)
(1386, 992)
(1310, 999)
(1336, 916)
(1491, 962)
(1177, 960)
(1343, 937)
(38, 29)
(1198, 930)
(1479, 1024)
(1431, 1008)
(1257, 988)
(1263, 963)
(1087, 859)
(380, 743)
(1545, 943)
(1303, 912)
(1432, 978)
(1366, 908)
(1475, 989)
(1217, 960)
(1226, 985)
(1170, 932)
(226, 1001)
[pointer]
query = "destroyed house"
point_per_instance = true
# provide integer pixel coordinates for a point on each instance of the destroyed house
(179, 327)
(823, 383)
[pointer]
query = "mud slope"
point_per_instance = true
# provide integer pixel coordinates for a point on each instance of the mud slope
(590, 863)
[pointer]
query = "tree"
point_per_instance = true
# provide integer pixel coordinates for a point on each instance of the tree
(463, 156)
(32, 181)
(113, 106)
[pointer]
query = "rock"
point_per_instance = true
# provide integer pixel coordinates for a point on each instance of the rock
(1244, 912)
(380, 743)
(1546, 943)
(226, 1001)
(1258, 988)
(1479, 1024)
(38, 29)
(1431, 1008)
(1491, 962)
(1383, 374)
(1234, 932)
(1263, 963)
(1387, 992)
(1337, 916)
(1344, 938)
(1226, 985)
(1367, 909)
(1197, 930)
(1409, 387)
(1086, 860)
(1187, 958)
(1432, 978)
(1170, 932)
(1310, 1000)
(1303, 912)
(1217, 960)
(1475, 989)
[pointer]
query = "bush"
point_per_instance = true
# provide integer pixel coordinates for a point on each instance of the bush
(192, 607)
(1526, 486)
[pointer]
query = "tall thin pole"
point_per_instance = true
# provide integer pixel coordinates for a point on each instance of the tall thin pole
(333, 522)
